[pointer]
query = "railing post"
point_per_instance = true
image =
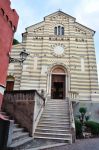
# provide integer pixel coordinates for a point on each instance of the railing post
(73, 95)
(72, 122)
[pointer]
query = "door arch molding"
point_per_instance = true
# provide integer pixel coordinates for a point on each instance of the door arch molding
(62, 73)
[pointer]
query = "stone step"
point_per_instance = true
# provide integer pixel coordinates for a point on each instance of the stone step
(54, 121)
(55, 117)
(44, 130)
(20, 136)
(59, 127)
(16, 125)
(57, 104)
(57, 135)
(57, 100)
(68, 140)
(21, 143)
(55, 114)
(56, 109)
(62, 126)
(17, 130)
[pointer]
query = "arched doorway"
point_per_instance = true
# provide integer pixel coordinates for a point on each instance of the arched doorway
(58, 83)
(10, 83)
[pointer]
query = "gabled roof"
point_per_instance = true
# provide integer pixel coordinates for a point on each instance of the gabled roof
(86, 27)
(60, 12)
(39, 23)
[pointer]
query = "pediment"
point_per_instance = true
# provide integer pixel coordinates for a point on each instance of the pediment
(59, 15)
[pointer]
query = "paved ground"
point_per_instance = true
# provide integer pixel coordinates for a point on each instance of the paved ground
(86, 144)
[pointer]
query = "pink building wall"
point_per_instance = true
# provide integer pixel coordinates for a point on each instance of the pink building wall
(8, 25)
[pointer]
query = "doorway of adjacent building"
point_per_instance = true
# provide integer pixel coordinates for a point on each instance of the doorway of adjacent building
(10, 83)
(58, 87)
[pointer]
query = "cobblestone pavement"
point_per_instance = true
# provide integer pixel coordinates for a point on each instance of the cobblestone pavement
(86, 144)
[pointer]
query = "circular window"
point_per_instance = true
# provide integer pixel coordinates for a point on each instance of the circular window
(58, 50)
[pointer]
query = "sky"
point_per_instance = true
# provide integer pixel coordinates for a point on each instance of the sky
(33, 11)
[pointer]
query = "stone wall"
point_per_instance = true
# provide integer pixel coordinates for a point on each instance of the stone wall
(22, 112)
(20, 105)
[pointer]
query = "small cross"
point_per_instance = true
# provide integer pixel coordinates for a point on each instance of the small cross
(59, 9)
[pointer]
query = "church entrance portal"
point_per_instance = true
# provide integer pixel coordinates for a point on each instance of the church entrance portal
(58, 87)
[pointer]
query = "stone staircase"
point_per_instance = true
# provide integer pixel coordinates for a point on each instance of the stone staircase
(20, 138)
(55, 121)
(54, 127)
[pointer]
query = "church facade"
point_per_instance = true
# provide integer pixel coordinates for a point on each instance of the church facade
(61, 61)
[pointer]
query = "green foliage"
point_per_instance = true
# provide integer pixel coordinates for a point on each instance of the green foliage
(78, 126)
(82, 110)
(93, 127)
(82, 115)
(87, 118)
(15, 42)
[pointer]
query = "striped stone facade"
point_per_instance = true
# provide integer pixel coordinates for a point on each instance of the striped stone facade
(76, 57)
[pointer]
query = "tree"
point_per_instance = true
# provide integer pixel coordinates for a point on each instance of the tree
(15, 42)
(82, 111)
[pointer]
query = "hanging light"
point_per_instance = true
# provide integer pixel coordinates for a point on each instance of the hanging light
(23, 56)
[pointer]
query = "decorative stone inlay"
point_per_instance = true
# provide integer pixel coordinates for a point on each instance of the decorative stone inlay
(38, 29)
(37, 38)
(55, 61)
(80, 31)
(59, 17)
(80, 40)
(59, 38)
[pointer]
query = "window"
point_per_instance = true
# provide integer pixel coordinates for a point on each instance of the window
(59, 30)
(62, 30)
(55, 30)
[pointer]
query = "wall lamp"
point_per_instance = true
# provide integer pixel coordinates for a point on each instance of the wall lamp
(23, 56)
